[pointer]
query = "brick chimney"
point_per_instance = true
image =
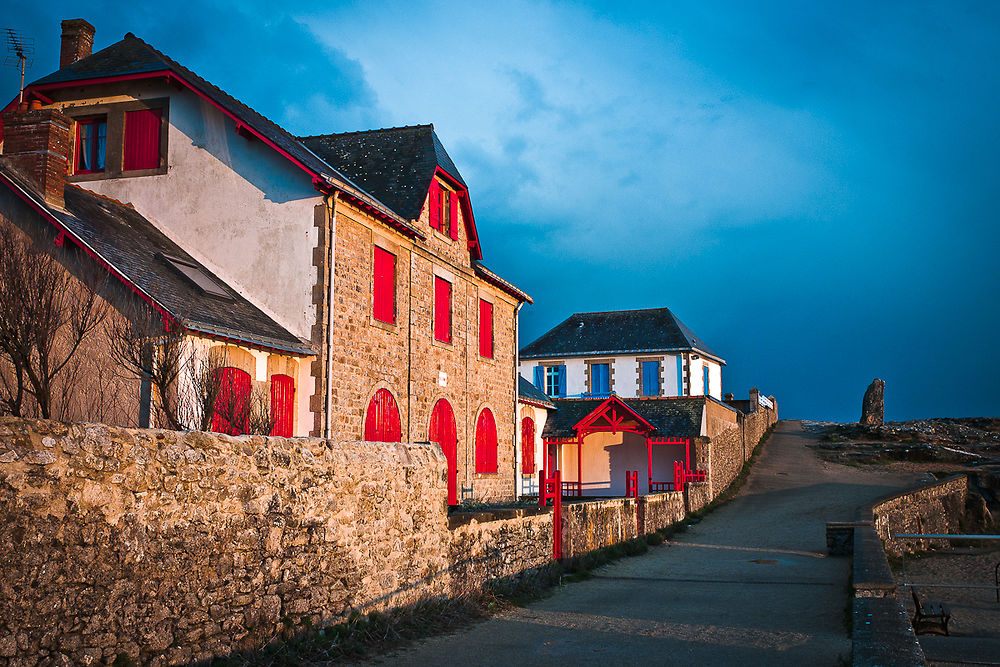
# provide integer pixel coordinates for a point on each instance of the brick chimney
(77, 41)
(37, 143)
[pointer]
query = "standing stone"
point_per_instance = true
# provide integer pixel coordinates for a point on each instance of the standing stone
(873, 404)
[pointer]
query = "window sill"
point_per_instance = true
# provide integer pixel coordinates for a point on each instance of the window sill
(84, 176)
(391, 327)
(440, 343)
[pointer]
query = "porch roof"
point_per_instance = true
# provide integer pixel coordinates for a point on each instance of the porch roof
(672, 417)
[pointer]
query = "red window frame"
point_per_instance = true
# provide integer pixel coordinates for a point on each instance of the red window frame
(91, 146)
(382, 422)
(527, 446)
(434, 205)
(282, 405)
(485, 329)
(486, 443)
(142, 139)
(384, 286)
(231, 409)
(442, 309)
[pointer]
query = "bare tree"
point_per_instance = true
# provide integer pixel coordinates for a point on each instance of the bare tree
(46, 314)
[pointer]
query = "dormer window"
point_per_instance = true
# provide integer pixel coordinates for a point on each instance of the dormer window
(91, 144)
(119, 140)
(443, 209)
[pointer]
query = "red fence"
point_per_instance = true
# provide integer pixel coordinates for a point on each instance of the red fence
(550, 488)
(631, 483)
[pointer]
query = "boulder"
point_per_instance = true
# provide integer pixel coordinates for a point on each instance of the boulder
(873, 404)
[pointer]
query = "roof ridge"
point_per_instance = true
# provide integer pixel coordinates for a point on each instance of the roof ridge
(372, 131)
(615, 312)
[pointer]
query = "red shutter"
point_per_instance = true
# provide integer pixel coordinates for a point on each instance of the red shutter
(384, 286)
(282, 405)
(382, 419)
(528, 446)
(231, 410)
(453, 206)
(485, 329)
(434, 205)
(486, 442)
(142, 139)
(442, 310)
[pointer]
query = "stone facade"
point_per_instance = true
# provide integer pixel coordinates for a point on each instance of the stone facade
(407, 360)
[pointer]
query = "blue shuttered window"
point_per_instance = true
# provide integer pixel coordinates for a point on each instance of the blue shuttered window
(540, 377)
(650, 378)
(555, 380)
(704, 374)
(600, 383)
(562, 380)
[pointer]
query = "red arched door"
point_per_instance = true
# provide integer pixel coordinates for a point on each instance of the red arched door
(231, 410)
(442, 431)
(382, 420)
(486, 442)
(282, 405)
(527, 446)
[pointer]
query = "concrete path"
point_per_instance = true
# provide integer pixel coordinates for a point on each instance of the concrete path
(749, 585)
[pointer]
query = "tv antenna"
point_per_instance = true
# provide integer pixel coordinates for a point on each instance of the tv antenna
(20, 50)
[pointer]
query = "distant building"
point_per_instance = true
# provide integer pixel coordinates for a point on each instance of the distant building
(629, 353)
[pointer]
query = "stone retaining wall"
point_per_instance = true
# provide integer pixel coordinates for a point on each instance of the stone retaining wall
(596, 524)
(171, 547)
(724, 454)
(935, 508)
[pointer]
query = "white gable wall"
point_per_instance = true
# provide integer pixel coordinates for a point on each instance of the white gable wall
(233, 203)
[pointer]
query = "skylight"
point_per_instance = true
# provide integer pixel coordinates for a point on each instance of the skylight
(197, 275)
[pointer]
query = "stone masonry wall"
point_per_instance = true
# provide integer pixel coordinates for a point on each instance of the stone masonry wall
(406, 359)
(170, 547)
(659, 510)
(936, 509)
(596, 524)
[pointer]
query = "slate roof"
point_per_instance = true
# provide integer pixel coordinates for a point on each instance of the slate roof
(395, 164)
(529, 392)
(132, 56)
(673, 417)
(130, 244)
(617, 332)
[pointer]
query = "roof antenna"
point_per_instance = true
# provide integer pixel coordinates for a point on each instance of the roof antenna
(20, 50)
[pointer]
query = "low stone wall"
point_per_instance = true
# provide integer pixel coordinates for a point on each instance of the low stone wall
(171, 547)
(935, 508)
(498, 545)
(659, 510)
(596, 524)
(697, 495)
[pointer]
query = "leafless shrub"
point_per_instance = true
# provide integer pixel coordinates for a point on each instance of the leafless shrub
(46, 314)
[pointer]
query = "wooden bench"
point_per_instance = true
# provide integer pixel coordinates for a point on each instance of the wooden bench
(929, 617)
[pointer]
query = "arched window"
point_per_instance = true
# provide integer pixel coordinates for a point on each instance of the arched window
(442, 431)
(382, 419)
(282, 405)
(231, 409)
(486, 442)
(528, 446)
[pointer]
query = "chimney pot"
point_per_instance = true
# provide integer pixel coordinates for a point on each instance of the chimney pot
(77, 41)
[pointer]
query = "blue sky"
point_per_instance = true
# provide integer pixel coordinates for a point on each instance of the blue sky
(811, 187)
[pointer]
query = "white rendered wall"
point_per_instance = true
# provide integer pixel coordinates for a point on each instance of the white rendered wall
(233, 203)
(714, 379)
(528, 484)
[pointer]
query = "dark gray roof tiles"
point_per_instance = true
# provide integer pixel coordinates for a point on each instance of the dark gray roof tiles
(529, 392)
(679, 417)
(395, 164)
(617, 332)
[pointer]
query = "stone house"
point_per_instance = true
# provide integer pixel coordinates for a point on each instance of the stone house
(534, 410)
(357, 251)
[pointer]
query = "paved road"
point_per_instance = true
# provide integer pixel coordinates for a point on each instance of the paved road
(749, 585)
